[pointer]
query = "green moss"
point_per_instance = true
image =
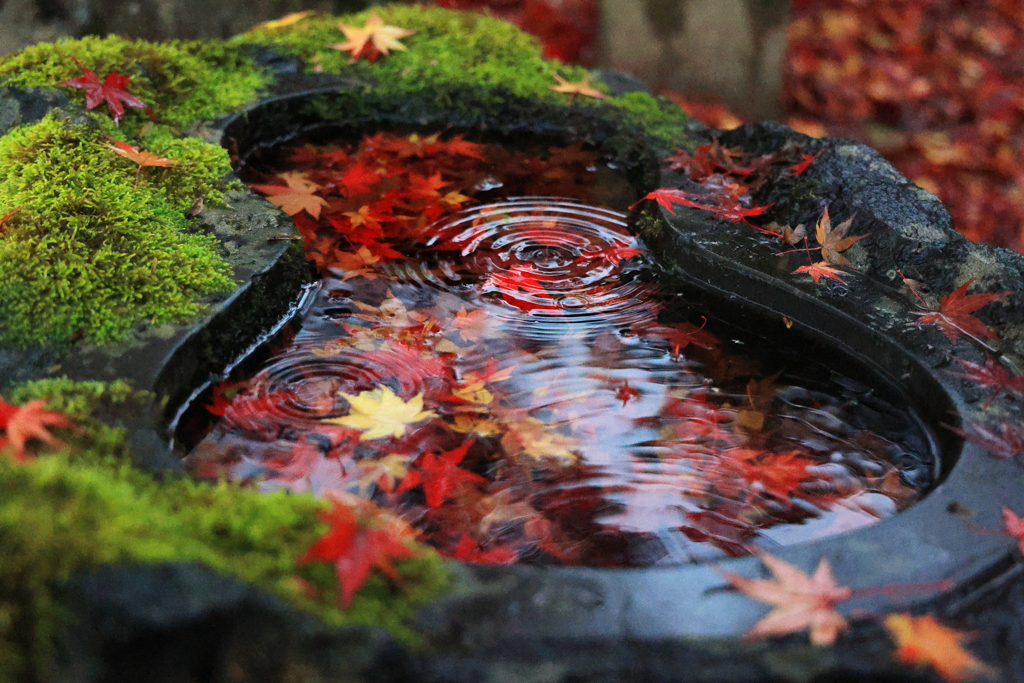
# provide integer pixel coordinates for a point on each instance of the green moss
(457, 62)
(182, 82)
(83, 506)
(89, 252)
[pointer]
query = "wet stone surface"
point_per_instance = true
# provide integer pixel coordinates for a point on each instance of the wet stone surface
(654, 624)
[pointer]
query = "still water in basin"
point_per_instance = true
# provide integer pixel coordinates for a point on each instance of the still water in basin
(507, 375)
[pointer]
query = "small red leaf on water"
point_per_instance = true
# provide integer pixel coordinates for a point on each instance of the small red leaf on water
(112, 91)
(954, 314)
(720, 205)
(440, 475)
(468, 551)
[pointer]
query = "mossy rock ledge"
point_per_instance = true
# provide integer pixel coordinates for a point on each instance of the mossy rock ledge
(116, 568)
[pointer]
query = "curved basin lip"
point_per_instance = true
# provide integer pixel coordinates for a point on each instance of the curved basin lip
(922, 543)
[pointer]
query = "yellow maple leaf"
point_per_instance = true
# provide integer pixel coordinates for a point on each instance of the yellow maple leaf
(381, 413)
(538, 440)
(286, 20)
(466, 424)
(375, 38)
(923, 640)
(578, 88)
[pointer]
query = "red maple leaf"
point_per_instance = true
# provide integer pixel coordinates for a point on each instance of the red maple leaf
(797, 169)
(354, 550)
(468, 551)
(440, 475)
(722, 205)
(1005, 441)
(1014, 526)
(30, 421)
(112, 91)
(357, 180)
(993, 374)
(954, 314)
(821, 269)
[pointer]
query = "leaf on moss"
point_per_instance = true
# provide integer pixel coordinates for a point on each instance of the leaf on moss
(371, 41)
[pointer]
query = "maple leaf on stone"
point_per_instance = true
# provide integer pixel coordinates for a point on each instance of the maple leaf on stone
(374, 39)
(139, 157)
(821, 269)
(287, 20)
(30, 421)
(954, 314)
(582, 87)
(355, 550)
(295, 196)
(1014, 526)
(111, 90)
(801, 602)
(834, 240)
(1005, 441)
(993, 374)
(923, 640)
(380, 413)
(440, 475)
(719, 205)
(798, 168)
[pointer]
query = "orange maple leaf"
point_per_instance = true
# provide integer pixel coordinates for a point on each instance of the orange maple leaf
(30, 421)
(821, 269)
(834, 240)
(375, 38)
(923, 640)
(954, 314)
(800, 601)
(296, 196)
(140, 157)
(578, 88)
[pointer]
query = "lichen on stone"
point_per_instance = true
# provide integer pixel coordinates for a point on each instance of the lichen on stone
(88, 253)
(77, 507)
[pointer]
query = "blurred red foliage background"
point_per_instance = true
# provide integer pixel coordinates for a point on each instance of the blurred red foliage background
(937, 86)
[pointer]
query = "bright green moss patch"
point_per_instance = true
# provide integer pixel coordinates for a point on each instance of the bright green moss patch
(84, 506)
(453, 53)
(89, 253)
(183, 82)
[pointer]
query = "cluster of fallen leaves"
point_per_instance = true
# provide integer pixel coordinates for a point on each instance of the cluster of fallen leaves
(725, 179)
(935, 87)
(411, 383)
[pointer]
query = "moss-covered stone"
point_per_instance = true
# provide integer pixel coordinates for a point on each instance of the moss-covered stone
(450, 54)
(182, 82)
(83, 506)
(88, 252)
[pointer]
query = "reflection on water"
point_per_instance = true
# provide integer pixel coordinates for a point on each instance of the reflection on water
(514, 384)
